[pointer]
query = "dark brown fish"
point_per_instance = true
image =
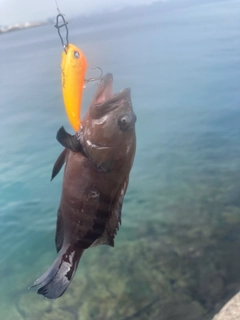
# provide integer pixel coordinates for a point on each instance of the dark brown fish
(98, 162)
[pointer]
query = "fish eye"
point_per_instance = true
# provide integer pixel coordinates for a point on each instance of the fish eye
(76, 54)
(125, 121)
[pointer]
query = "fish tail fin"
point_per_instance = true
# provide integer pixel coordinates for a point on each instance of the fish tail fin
(54, 282)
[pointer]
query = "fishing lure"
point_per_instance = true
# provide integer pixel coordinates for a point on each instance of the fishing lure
(73, 70)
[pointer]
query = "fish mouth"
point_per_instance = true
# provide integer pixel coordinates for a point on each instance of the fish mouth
(105, 95)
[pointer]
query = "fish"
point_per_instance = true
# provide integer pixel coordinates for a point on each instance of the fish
(98, 160)
(73, 70)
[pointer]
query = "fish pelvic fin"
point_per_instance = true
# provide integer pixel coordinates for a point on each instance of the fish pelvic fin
(55, 281)
(68, 141)
(59, 163)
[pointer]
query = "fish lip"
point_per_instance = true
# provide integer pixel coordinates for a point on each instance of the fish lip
(104, 93)
(97, 146)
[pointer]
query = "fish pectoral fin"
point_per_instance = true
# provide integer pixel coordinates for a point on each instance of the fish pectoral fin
(59, 163)
(68, 141)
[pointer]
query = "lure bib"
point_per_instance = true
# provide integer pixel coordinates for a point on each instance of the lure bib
(74, 66)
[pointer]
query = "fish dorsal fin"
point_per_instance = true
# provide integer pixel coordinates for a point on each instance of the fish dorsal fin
(59, 163)
(116, 209)
(68, 141)
(114, 221)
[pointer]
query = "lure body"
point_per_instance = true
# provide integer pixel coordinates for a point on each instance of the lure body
(74, 66)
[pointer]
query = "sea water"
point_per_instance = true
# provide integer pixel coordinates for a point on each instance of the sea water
(178, 246)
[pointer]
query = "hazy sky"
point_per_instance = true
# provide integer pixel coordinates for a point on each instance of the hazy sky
(12, 11)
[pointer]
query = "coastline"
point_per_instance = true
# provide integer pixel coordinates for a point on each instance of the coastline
(25, 25)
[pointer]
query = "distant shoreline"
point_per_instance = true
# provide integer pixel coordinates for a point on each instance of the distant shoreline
(125, 12)
(26, 25)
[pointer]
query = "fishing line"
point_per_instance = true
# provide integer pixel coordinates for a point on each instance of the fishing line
(58, 10)
(73, 69)
(59, 25)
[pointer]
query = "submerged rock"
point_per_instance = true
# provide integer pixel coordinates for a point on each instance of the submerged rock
(31, 307)
(167, 273)
(14, 314)
(172, 310)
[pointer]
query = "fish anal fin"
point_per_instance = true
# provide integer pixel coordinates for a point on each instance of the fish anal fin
(59, 163)
(59, 237)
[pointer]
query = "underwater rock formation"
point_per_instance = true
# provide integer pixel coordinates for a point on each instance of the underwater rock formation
(166, 274)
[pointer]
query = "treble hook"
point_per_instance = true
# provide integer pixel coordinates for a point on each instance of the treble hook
(64, 24)
(94, 79)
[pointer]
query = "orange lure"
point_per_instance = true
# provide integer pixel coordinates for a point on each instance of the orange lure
(74, 66)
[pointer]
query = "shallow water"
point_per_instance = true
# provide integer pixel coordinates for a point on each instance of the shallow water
(178, 245)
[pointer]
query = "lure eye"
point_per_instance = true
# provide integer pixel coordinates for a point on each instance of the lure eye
(76, 54)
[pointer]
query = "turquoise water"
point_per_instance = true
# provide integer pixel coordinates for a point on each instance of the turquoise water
(178, 244)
